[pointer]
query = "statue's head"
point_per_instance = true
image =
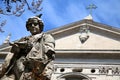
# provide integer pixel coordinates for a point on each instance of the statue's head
(35, 23)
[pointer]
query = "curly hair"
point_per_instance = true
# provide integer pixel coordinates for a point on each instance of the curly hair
(30, 20)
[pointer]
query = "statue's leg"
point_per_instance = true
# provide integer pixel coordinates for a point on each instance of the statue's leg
(49, 69)
(10, 77)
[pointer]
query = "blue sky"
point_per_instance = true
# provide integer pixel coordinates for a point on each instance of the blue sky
(57, 13)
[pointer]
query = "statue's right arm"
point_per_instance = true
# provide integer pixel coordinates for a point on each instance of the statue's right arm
(5, 64)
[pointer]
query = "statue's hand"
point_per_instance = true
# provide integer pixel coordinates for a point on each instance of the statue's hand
(51, 54)
(24, 45)
(15, 48)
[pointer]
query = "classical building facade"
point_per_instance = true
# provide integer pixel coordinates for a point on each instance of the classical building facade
(85, 50)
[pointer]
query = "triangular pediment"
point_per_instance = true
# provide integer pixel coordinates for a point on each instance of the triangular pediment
(100, 36)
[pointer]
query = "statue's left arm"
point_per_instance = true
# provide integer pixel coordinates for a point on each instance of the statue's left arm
(49, 45)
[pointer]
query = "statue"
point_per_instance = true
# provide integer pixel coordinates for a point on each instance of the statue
(30, 58)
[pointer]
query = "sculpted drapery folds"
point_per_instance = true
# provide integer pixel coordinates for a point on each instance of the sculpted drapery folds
(31, 58)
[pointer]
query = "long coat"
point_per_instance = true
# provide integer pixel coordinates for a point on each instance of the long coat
(42, 49)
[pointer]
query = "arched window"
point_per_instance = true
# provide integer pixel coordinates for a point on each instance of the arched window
(73, 76)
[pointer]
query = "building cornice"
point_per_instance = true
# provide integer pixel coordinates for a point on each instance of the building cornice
(87, 51)
(88, 54)
(82, 22)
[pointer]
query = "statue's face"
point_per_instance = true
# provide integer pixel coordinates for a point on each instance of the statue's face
(34, 26)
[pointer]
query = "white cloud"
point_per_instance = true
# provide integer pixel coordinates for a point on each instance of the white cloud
(50, 13)
(76, 11)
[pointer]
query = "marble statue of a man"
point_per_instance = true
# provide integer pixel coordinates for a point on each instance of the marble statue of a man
(31, 58)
